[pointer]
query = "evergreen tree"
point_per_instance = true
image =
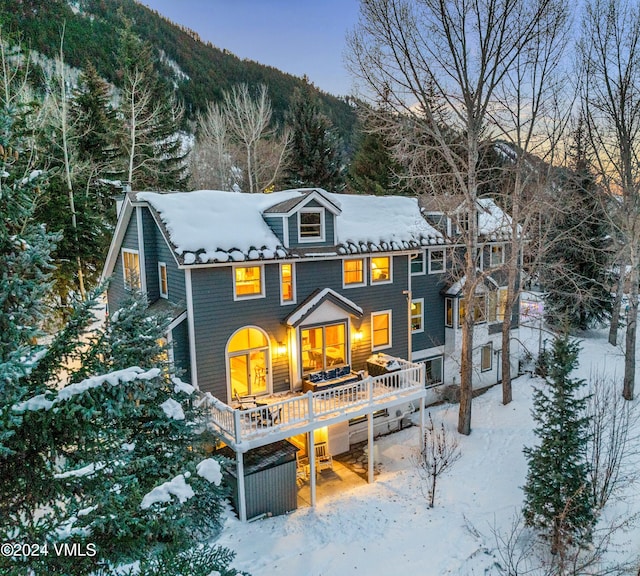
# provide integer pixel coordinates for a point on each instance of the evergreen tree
(557, 491)
(575, 272)
(373, 169)
(151, 149)
(315, 154)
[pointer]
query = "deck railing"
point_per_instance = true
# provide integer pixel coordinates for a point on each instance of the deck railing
(373, 392)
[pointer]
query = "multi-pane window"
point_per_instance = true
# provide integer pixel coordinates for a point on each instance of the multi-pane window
(287, 283)
(381, 330)
(417, 263)
(496, 256)
(131, 266)
(162, 279)
(310, 224)
(417, 315)
(380, 269)
(248, 281)
(436, 261)
(433, 371)
(486, 357)
(353, 271)
(479, 309)
(324, 347)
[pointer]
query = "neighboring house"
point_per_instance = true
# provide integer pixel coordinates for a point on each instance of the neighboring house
(339, 305)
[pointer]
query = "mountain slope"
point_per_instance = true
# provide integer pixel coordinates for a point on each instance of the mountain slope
(200, 72)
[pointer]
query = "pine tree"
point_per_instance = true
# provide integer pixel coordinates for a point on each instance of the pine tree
(315, 156)
(575, 274)
(373, 169)
(557, 491)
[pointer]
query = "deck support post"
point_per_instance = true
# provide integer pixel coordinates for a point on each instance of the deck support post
(370, 478)
(421, 438)
(242, 503)
(311, 450)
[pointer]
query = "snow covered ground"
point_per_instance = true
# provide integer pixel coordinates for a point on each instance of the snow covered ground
(387, 528)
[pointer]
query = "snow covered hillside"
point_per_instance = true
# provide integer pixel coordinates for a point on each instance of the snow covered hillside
(387, 528)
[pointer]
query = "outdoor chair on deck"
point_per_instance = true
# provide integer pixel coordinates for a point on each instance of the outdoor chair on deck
(244, 402)
(302, 467)
(269, 416)
(324, 461)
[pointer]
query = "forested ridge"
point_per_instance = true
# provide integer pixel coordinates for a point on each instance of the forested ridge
(92, 35)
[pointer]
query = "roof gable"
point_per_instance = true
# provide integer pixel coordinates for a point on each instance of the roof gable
(315, 300)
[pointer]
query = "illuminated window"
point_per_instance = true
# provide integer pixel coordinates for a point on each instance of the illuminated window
(353, 272)
(417, 315)
(323, 347)
(131, 267)
(310, 228)
(448, 312)
(248, 281)
(381, 330)
(380, 269)
(486, 357)
(497, 305)
(436, 261)
(417, 264)
(479, 309)
(496, 256)
(248, 363)
(162, 279)
(287, 284)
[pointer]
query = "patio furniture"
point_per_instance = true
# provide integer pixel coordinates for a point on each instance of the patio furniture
(244, 402)
(324, 460)
(302, 467)
(318, 381)
(269, 415)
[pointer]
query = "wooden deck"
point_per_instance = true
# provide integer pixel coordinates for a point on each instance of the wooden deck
(280, 419)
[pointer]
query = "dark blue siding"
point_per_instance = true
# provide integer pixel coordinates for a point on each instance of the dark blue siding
(150, 255)
(116, 292)
(276, 225)
(181, 358)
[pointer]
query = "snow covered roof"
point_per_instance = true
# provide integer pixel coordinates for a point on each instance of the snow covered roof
(210, 226)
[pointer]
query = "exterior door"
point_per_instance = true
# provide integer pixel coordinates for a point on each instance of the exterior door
(248, 352)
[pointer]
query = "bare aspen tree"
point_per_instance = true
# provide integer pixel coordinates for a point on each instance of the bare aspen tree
(438, 60)
(238, 135)
(248, 120)
(610, 54)
(531, 119)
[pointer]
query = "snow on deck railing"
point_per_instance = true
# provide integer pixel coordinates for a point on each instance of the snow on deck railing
(241, 425)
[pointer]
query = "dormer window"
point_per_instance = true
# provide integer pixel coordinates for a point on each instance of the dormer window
(311, 225)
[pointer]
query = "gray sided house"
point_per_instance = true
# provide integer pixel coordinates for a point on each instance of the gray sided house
(305, 313)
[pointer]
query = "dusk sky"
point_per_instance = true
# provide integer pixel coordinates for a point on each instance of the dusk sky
(295, 36)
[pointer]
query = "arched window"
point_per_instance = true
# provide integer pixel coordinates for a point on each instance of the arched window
(248, 357)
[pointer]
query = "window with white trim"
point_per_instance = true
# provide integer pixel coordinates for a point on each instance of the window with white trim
(131, 269)
(324, 347)
(437, 261)
(417, 315)
(448, 312)
(248, 282)
(162, 280)
(353, 272)
(287, 283)
(433, 371)
(479, 309)
(381, 270)
(486, 357)
(497, 305)
(311, 225)
(381, 330)
(417, 263)
(496, 255)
